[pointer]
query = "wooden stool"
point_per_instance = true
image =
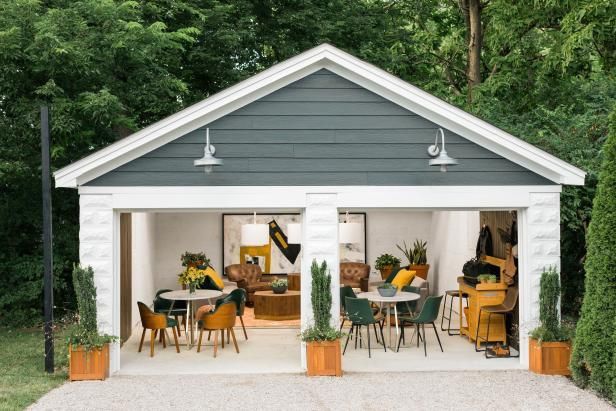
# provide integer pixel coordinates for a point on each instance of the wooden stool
(452, 294)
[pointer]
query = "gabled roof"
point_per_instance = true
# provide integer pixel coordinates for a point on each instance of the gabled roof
(345, 65)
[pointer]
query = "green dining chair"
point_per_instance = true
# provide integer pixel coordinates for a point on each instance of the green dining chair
(358, 311)
(238, 296)
(428, 314)
(345, 291)
(162, 306)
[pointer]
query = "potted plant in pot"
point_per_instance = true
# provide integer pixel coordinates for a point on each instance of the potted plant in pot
(323, 355)
(385, 263)
(550, 343)
(279, 286)
(87, 349)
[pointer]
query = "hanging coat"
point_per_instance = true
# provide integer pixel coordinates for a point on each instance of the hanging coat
(484, 243)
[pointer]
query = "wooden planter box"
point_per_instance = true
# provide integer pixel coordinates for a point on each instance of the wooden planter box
(550, 358)
(88, 365)
(324, 358)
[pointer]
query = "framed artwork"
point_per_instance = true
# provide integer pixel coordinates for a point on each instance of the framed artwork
(278, 257)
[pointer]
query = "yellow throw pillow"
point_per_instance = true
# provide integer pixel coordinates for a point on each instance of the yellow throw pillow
(404, 277)
(210, 272)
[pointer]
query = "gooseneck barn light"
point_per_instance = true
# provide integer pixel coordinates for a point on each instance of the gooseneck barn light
(440, 154)
(208, 161)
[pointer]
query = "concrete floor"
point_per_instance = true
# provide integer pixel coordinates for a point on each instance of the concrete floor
(279, 351)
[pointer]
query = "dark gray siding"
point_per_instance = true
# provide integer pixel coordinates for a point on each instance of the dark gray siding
(321, 130)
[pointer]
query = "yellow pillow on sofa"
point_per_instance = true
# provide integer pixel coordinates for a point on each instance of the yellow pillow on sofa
(210, 272)
(404, 277)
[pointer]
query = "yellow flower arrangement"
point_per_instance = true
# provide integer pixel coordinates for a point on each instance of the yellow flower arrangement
(192, 275)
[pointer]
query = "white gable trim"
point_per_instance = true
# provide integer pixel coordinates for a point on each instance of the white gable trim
(282, 74)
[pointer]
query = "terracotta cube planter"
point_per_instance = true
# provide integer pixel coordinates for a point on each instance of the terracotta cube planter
(88, 365)
(550, 358)
(323, 358)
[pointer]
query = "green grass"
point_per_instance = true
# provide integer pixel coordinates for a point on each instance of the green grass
(22, 376)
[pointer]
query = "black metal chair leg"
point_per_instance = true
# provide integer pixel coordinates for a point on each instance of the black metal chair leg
(342, 323)
(423, 327)
(437, 337)
(356, 337)
(418, 336)
(488, 335)
(347, 340)
(383, 339)
(376, 335)
(368, 332)
(477, 343)
(400, 339)
(443, 313)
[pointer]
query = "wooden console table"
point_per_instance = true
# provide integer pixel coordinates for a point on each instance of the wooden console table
(277, 307)
(479, 296)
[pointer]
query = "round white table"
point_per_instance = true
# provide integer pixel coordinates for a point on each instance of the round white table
(190, 298)
(401, 296)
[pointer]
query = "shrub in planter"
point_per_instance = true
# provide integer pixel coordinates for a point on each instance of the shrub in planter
(323, 355)
(593, 361)
(88, 350)
(550, 343)
(385, 263)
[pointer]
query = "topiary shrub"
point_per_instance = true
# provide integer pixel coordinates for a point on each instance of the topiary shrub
(593, 359)
(85, 290)
(321, 299)
(550, 329)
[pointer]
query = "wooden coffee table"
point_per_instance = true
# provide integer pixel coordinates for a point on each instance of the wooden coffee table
(277, 307)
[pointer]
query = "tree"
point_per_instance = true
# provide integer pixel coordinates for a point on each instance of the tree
(593, 360)
(105, 73)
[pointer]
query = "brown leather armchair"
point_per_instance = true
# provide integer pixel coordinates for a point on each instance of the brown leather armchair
(355, 275)
(248, 277)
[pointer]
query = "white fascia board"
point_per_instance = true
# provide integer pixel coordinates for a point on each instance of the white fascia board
(294, 197)
(347, 66)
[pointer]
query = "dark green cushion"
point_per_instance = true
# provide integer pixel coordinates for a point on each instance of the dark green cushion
(171, 322)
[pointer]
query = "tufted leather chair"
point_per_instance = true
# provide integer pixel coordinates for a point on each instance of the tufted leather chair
(248, 277)
(355, 275)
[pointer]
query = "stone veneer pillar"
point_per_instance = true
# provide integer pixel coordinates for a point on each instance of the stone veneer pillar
(539, 248)
(96, 235)
(320, 242)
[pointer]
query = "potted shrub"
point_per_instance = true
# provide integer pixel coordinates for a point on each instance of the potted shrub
(417, 257)
(323, 355)
(385, 263)
(550, 343)
(88, 350)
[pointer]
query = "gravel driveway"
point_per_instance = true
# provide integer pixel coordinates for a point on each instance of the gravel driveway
(483, 390)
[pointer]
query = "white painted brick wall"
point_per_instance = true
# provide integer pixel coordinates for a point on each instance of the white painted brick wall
(96, 250)
(320, 242)
(541, 237)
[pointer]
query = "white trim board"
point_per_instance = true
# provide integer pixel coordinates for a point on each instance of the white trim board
(288, 71)
(294, 197)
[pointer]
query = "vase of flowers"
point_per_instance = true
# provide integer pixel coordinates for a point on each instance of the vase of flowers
(198, 260)
(192, 277)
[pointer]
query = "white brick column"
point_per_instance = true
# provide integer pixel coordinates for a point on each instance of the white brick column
(539, 248)
(320, 242)
(96, 249)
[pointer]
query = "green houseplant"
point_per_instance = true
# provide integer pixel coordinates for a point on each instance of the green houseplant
(385, 263)
(549, 344)
(323, 355)
(88, 350)
(417, 256)
(198, 260)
